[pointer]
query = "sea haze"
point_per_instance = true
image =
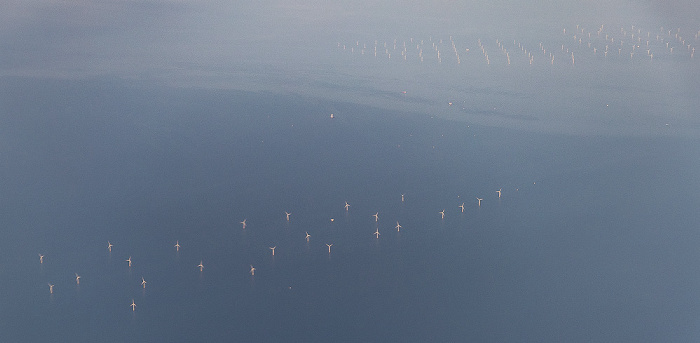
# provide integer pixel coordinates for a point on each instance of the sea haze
(594, 238)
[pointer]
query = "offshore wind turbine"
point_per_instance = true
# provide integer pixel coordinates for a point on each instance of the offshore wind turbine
(398, 226)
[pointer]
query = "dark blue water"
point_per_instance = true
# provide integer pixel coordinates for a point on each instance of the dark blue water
(594, 238)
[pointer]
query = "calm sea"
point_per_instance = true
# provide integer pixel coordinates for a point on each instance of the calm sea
(594, 238)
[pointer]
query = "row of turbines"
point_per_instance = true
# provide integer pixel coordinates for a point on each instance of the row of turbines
(129, 263)
(631, 43)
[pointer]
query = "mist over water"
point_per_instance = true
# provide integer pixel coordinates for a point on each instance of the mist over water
(292, 48)
(151, 124)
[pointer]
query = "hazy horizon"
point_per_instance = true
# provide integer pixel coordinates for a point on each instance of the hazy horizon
(148, 123)
(290, 48)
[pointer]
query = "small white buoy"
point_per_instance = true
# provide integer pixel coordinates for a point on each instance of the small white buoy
(332, 116)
